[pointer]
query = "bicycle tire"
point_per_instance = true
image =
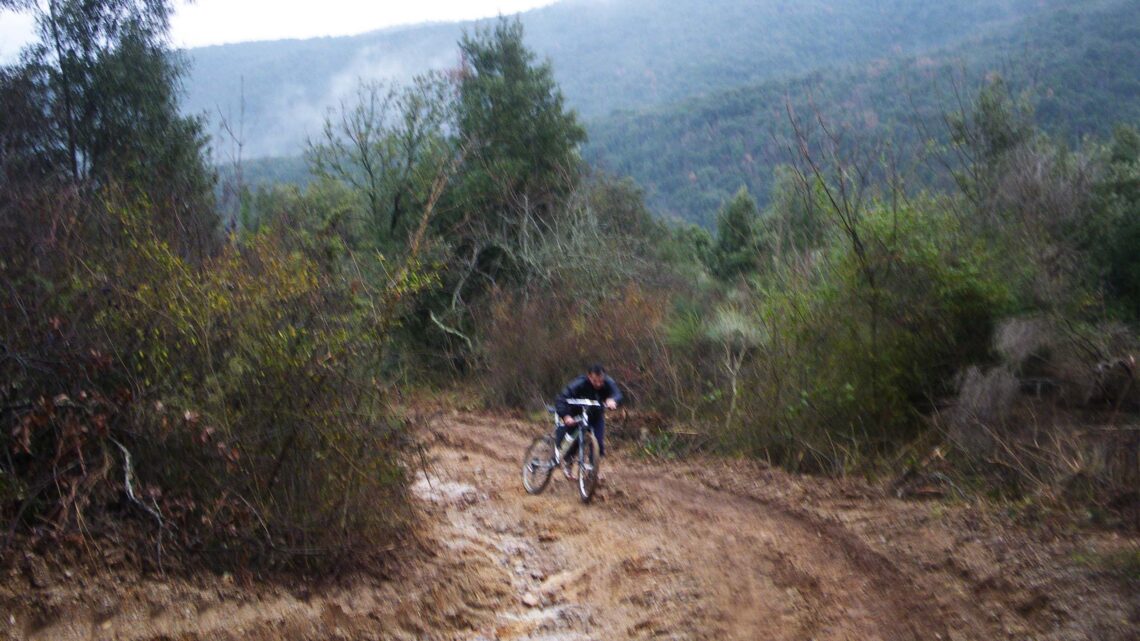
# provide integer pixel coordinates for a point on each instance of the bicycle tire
(538, 464)
(588, 466)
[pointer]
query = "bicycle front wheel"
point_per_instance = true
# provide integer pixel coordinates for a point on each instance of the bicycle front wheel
(588, 466)
(538, 464)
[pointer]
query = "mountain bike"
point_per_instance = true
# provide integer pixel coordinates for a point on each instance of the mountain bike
(542, 455)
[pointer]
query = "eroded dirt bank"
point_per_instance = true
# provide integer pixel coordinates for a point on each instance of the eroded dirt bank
(723, 550)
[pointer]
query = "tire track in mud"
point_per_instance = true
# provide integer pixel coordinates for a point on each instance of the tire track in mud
(727, 566)
(953, 604)
(845, 584)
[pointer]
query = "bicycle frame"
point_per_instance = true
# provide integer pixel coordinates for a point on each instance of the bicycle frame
(537, 468)
(586, 469)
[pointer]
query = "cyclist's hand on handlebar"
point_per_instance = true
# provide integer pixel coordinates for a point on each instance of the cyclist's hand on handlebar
(568, 421)
(611, 404)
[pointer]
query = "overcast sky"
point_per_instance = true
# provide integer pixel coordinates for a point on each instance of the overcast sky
(207, 22)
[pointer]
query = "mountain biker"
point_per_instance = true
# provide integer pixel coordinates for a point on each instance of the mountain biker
(595, 385)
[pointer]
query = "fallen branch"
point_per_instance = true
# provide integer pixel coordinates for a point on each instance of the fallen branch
(128, 472)
(451, 330)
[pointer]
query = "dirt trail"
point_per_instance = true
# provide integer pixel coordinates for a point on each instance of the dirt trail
(728, 550)
(719, 550)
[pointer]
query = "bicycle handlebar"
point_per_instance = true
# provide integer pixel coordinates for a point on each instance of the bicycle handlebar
(582, 402)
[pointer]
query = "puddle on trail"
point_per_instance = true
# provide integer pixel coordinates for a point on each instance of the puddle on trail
(446, 492)
(541, 611)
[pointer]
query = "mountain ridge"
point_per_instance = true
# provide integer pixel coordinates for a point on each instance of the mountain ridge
(606, 54)
(691, 157)
(693, 152)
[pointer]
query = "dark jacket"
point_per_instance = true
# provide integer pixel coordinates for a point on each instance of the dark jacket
(581, 388)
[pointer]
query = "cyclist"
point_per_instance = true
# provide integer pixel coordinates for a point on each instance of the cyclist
(595, 385)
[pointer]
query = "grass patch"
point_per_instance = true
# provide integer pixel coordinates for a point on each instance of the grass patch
(1123, 563)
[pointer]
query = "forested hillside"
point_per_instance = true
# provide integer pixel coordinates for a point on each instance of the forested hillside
(606, 55)
(693, 128)
(1078, 67)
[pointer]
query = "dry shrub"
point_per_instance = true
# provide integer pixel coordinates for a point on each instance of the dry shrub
(1049, 421)
(535, 341)
(1017, 340)
(984, 398)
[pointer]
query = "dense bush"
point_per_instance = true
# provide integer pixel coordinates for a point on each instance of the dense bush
(159, 382)
(231, 404)
(843, 365)
(536, 342)
(1045, 420)
(597, 294)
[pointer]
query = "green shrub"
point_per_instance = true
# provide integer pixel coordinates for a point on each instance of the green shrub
(856, 349)
(232, 403)
(270, 360)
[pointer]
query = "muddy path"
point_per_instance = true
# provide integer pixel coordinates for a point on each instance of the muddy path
(668, 550)
(660, 555)
(728, 550)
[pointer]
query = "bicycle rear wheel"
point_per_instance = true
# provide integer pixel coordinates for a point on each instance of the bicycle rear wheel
(538, 464)
(588, 468)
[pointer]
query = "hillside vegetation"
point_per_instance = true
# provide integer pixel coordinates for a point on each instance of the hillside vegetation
(606, 55)
(186, 396)
(1076, 67)
(691, 129)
